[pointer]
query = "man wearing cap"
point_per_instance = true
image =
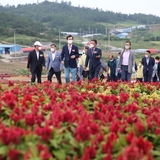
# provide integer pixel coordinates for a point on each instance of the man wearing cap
(36, 62)
(53, 64)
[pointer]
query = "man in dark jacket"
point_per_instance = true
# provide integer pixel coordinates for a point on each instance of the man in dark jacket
(148, 63)
(112, 67)
(36, 62)
(69, 57)
(94, 55)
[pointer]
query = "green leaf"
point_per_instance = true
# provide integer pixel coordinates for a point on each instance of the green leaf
(59, 154)
(3, 150)
(74, 142)
(155, 153)
(54, 143)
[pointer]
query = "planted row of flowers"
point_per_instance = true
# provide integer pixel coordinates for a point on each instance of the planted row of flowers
(82, 121)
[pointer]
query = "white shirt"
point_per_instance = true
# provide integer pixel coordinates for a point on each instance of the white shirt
(126, 58)
(37, 55)
(53, 56)
(69, 48)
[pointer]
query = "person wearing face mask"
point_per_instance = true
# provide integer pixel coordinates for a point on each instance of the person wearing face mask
(36, 62)
(139, 73)
(85, 73)
(69, 57)
(94, 55)
(155, 75)
(53, 64)
(148, 63)
(127, 62)
(112, 68)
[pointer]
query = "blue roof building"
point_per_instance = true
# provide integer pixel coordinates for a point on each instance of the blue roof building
(9, 48)
(122, 35)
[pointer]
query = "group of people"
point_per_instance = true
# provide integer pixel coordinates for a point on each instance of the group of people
(67, 59)
(89, 65)
(147, 70)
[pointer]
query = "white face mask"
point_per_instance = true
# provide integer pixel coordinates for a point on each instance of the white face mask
(52, 49)
(70, 41)
(156, 61)
(39, 48)
(91, 46)
(127, 47)
(146, 56)
(118, 57)
(139, 64)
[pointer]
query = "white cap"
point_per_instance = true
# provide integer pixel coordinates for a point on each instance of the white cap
(37, 43)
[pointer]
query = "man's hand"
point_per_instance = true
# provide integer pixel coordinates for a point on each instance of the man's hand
(98, 56)
(62, 62)
(44, 68)
(28, 69)
(73, 56)
(84, 67)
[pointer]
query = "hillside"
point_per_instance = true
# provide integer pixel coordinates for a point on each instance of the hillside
(54, 16)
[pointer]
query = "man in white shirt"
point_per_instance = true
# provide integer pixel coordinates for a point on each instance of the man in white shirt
(127, 62)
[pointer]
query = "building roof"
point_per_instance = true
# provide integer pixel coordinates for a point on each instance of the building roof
(28, 49)
(7, 45)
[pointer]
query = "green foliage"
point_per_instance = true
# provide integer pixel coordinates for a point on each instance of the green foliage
(32, 19)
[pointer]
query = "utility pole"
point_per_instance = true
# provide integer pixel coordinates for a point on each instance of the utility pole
(59, 39)
(15, 43)
(80, 31)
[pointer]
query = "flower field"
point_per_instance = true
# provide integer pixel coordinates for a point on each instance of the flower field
(82, 121)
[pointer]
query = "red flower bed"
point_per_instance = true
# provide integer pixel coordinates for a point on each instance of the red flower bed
(81, 121)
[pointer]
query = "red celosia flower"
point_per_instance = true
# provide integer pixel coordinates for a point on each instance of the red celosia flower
(107, 148)
(136, 95)
(140, 128)
(29, 119)
(14, 154)
(10, 99)
(45, 133)
(123, 97)
(130, 137)
(82, 132)
(10, 84)
(115, 126)
(11, 135)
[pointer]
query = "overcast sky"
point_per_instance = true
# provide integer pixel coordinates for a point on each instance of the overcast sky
(123, 6)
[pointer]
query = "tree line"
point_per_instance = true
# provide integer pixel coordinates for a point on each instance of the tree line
(49, 17)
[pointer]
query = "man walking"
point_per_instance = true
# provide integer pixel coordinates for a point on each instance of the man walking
(148, 63)
(69, 57)
(94, 55)
(36, 62)
(127, 62)
(53, 64)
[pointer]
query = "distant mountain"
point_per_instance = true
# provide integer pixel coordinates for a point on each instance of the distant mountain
(52, 16)
(22, 25)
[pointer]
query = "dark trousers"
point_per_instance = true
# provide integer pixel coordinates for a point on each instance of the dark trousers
(155, 78)
(94, 73)
(36, 73)
(112, 77)
(118, 77)
(139, 79)
(58, 75)
(125, 75)
(147, 76)
(85, 74)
